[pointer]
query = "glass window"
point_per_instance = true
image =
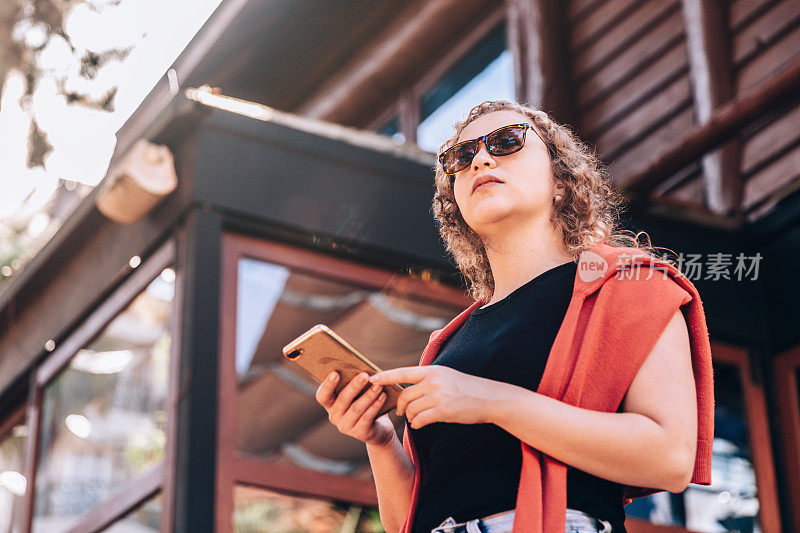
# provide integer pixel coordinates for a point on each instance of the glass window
(279, 418)
(144, 519)
(730, 503)
(485, 73)
(392, 129)
(103, 417)
(13, 484)
(258, 509)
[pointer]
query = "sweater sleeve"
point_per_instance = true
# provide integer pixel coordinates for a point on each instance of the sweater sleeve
(629, 315)
(651, 299)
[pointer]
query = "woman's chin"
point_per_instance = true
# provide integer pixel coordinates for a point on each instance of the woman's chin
(490, 212)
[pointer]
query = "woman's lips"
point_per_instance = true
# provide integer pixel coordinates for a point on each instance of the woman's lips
(485, 185)
(484, 180)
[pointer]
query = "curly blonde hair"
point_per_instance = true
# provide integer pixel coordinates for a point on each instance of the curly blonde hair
(586, 215)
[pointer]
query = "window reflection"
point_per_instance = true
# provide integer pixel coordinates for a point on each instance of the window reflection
(392, 129)
(103, 418)
(259, 510)
(730, 503)
(486, 72)
(144, 519)
(12, 479)
(279, 418)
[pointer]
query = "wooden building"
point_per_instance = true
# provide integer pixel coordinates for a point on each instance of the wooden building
(141, 381)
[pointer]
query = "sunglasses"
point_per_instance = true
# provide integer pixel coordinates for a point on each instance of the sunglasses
(502, 141)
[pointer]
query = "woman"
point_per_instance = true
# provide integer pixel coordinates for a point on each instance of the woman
(518, 199)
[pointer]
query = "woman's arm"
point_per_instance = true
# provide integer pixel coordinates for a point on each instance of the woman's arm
(394, 481)
(651, 444)
(391, 466)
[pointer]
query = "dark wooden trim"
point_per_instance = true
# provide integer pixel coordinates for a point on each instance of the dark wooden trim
(467, 40)
(195, 474)
(383, 117)
(726, 123)
(130, 496)
(304, 482)
(173, 393)
(516, 47)
(709, 48)
(337, 268)
(527, 24)
(786, 366)
(8, 423)
(408, 115)
(413, 28)
(232, 468)
(676, 209)
(227, 393)
(138, 279)
(545, 56)
(755, 406)
(31, 452)
(6, 426)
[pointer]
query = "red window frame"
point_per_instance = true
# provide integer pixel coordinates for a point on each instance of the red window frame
(234, 469)
(787, 366)
(159, 478)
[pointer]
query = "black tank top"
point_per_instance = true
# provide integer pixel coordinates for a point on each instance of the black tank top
(474, 469)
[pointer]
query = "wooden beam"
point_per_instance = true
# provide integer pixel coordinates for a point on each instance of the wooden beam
(708, 43)
(199, 260)
(544, 56)
(408, 116)
(514, 44)
(777, 95)
(399, 52)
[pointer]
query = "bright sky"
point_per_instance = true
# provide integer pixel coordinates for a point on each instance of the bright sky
(84, 139)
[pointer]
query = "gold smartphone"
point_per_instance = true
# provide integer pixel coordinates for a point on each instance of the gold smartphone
(319, 351)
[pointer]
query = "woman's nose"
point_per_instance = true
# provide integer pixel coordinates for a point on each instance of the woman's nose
(483, 157)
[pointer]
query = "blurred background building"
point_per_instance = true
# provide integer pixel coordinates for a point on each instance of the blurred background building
(142, 386)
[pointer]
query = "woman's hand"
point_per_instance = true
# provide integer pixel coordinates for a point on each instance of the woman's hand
(441, 394)
(356, 418)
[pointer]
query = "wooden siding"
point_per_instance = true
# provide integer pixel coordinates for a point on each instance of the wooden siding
(766, 39)
(633, 86)
(632, 83)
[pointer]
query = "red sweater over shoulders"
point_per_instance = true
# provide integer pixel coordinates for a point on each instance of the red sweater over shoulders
(622, 300)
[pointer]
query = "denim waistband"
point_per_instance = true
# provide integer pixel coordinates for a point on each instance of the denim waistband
(504, 521)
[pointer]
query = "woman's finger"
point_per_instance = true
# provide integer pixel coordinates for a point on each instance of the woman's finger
(424, 418)
(325, 390)
(408, 395)
(415, 407)
(366, 420)
(345, 397)
(357, 408)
